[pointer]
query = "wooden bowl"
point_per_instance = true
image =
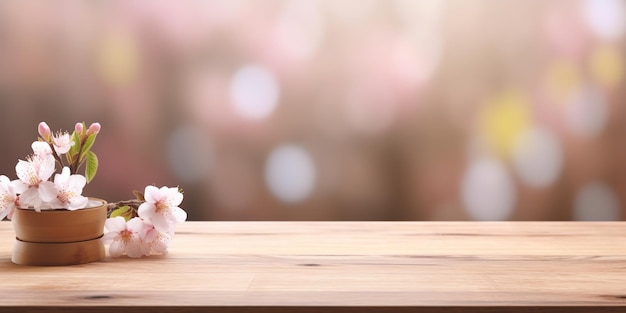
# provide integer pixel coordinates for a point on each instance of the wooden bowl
(54, 254)
(60, 226)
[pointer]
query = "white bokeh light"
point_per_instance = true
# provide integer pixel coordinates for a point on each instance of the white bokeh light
(290, 173)
(537, 157)
(254, 91)
(586, 114)
(596, 201)
(189, 154)
(487, 190)
(606, 18)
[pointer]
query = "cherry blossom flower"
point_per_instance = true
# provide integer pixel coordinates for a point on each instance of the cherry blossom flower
(33, 181)
(62, 143)
(67, 191)
(156, 240)
(78, 128)
(8, 197)
(126, 237)
(161, 208)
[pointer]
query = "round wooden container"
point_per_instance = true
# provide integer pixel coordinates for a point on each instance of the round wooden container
(59, 237)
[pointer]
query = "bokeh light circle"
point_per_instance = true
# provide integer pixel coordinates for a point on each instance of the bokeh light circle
(487, 190)
(606, 18)
(254, 92)
(290, 173)
(538, 157)
(596, 201)
(505, 116)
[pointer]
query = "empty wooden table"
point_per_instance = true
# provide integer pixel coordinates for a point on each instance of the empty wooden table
(343, 267)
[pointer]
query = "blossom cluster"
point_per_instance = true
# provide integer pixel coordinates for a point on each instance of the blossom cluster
(33, 189)
(136, 228)
(147, 229)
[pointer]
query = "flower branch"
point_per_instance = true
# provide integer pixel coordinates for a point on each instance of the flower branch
(137, 227)
(145, 225)
(76, 147)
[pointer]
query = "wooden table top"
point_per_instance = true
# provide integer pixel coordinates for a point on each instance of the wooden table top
(343, 267)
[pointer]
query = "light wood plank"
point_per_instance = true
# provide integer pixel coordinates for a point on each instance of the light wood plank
(340, 266)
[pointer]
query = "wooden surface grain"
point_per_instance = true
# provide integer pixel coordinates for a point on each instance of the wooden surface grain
(343, 267)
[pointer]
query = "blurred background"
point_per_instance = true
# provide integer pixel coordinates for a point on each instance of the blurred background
(332, 110)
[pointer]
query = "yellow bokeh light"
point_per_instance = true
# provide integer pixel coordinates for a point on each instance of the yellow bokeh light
(607, 66)
(563, 78)
(503, 120)
(118, 59)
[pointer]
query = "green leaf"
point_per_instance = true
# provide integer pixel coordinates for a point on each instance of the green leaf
(71, 157)
(91, 167)
(87, 146)
(68, 156)
(120, 211)
(139, 195)
(76, 147)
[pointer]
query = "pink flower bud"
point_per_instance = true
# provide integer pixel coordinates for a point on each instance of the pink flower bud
(93, 128)
(44, 131)
(78, 128)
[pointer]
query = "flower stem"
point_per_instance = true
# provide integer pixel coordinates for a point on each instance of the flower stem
(56, 156)
(75, 165)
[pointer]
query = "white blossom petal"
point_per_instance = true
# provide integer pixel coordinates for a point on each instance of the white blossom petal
(5, 212)
(150, 234)
(10, 215)
(62, 179)
(135, 247)
(152, 194)
(41, 148)
(179, 214)
(109, 237)
(30, 198)
(77, 202)
(25, 171)
(47, 191)
(175, 197)
(160, 222)
(47, 167)
(146, 210)
(115, 224)
(19, 186)
(116, 248)
(136, 225)
(160, 244)
(77, 183)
